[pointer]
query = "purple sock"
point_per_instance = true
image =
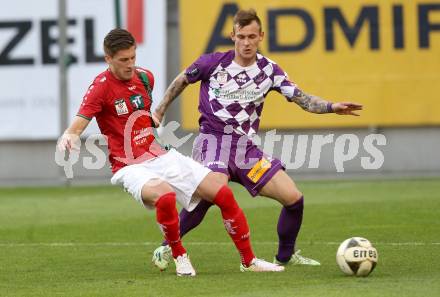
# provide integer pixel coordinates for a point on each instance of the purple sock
(190, 220)
(289, 224)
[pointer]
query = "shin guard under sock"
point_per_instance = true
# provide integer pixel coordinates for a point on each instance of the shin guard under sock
(168, 220)
(235, 223)
(289, 224)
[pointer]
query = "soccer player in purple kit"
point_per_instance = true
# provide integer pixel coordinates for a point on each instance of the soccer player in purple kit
(233, 87)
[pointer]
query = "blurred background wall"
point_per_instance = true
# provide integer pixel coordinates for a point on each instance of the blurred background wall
(384, 55)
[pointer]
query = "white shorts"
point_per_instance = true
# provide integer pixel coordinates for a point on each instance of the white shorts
(181, 172)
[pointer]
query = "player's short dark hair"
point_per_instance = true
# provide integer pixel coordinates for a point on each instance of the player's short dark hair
(116, 40)
(244, 17)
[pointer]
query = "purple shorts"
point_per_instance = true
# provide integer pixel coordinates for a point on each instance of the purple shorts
(237, 157)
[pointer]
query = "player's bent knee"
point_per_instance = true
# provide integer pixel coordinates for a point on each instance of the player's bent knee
(153, 190)
(150, 202)
(298, 195)
(210, 186)
(225, 198)
(293, 197)
(166, 201)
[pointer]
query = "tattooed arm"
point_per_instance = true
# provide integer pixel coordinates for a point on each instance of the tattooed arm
(311, 103)
(173, 91)
(316, 104)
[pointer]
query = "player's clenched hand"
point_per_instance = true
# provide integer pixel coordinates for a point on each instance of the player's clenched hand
(346, 108)
(68, 142)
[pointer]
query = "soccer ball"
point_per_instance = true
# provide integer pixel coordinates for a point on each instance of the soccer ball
(356, 256)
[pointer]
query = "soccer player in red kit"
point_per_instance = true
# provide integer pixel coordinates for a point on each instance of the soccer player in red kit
(120, 100)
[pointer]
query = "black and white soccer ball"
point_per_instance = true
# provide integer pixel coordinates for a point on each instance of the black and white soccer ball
(356, 256)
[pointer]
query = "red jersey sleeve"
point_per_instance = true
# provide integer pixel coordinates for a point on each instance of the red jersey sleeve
(93, 100)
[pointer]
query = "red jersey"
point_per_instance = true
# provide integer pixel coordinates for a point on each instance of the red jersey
(122, 111)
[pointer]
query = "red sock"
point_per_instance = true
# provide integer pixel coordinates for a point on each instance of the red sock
(168, 220)
(235, 223)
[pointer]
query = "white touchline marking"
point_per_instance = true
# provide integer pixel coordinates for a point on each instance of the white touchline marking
(148, 243)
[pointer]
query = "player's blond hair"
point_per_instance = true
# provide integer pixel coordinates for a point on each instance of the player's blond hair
(245, 17)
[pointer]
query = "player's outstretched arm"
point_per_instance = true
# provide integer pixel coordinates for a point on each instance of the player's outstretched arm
(316, 104)
(174, 90)
(68, 141)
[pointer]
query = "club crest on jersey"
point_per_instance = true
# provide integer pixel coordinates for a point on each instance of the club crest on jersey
(137, 102)
(241, 78)
(121, 107)
(222, 77)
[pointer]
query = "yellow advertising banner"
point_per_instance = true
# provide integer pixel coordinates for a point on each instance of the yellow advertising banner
(382, 54)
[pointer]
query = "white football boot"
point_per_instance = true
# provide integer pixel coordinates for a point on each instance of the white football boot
(183, 266)
(259, 265)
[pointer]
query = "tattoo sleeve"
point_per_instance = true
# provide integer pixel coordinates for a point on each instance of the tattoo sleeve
(311, 103)
(173, 91)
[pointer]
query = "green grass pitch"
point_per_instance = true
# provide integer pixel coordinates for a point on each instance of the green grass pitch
(97, 241)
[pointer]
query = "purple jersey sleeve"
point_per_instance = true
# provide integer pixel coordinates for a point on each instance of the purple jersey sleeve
(282, 84)
(200, 69)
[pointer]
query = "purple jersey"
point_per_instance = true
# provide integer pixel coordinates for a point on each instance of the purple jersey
(234, 95)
